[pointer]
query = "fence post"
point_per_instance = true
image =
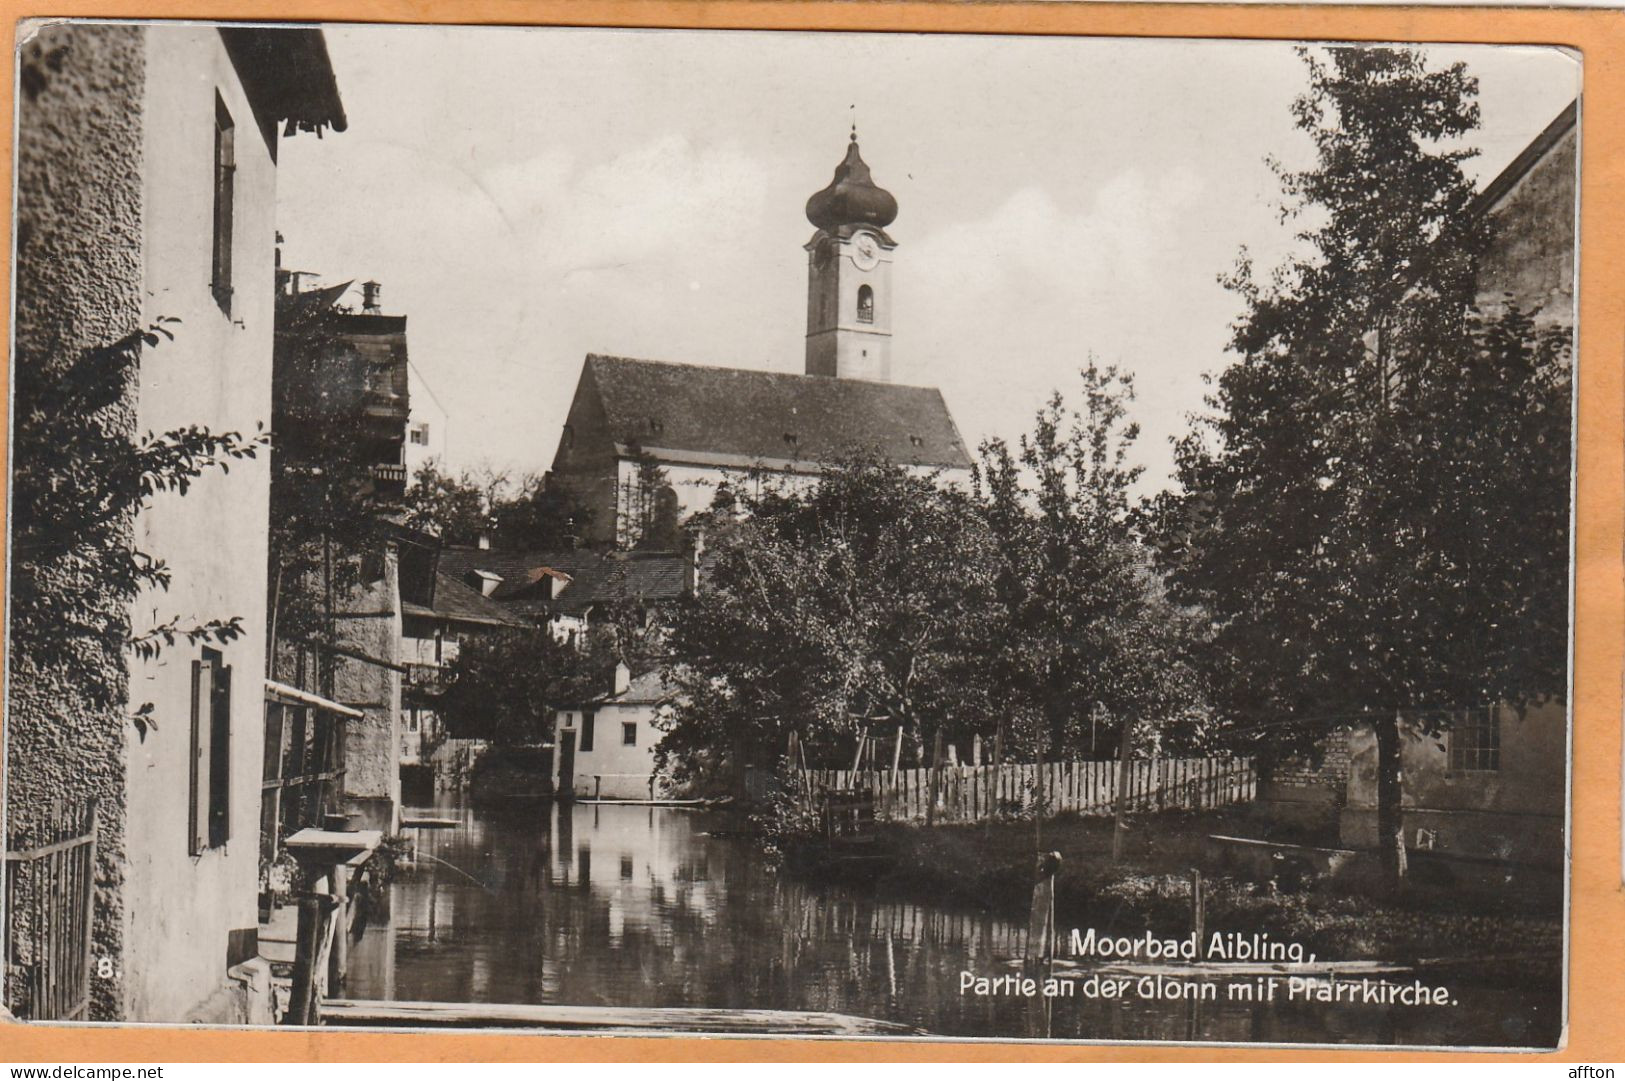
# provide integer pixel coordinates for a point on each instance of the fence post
(936, 777)
(1125, 752)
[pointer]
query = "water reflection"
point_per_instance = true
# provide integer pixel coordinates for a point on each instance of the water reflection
(640, 906)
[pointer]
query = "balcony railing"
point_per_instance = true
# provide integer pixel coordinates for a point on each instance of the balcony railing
(389, 474)
(424, 675)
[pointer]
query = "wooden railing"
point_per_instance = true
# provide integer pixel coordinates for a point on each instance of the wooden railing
(50, 903)
(979, 793)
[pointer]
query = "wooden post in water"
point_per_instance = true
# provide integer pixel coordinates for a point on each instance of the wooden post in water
(1040, 944)
(1125, 754)
(307, 945)
(340, 966)
(798, 777)
(1198, 911)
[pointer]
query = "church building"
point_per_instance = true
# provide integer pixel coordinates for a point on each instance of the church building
(705, 426)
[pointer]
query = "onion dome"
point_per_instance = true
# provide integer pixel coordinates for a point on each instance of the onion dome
(852, 198)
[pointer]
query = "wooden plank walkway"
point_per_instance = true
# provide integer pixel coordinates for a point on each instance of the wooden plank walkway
(618, 1019)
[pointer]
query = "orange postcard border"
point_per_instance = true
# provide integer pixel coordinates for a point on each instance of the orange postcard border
(1596, 1028)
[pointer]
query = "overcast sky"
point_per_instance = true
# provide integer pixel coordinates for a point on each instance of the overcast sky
(528, 196)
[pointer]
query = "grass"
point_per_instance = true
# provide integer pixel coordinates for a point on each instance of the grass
(991, 866)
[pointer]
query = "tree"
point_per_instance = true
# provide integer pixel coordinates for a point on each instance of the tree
(454, 508)
(648, 507)
(1085, 630)
(502, 686)
(853, 604)
(1375, 509)
(517, 513)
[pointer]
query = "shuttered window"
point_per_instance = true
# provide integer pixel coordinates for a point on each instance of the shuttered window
(225, 170)
(210, 818)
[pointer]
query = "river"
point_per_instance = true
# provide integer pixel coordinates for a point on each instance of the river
(617, 905)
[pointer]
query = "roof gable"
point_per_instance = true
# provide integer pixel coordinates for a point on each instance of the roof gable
(1495, 192)
(679, 412)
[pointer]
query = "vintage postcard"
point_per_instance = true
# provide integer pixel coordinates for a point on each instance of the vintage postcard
(791, 534)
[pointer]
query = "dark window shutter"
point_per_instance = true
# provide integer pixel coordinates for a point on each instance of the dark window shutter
(225, 183)
(198, 815)
(220, 758)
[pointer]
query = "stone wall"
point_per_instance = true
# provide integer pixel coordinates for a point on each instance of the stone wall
(369, 624)
(78, 287)
(1302, 794)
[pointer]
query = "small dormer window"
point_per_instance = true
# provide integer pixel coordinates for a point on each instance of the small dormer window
(655, 427)
(791, 440)
(916, 441)
(866, 304)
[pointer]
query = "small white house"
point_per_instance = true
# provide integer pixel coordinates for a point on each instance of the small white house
(604, 749)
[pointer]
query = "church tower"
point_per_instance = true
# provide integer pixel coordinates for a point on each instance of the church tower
(849, 275)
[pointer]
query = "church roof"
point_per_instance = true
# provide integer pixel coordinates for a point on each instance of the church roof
(738, 417)
(852, 197)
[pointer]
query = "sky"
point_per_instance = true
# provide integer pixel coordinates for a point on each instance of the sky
(529, 196)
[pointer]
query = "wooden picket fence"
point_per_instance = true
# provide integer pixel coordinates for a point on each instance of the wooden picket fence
(1018, 789)
(50, 891)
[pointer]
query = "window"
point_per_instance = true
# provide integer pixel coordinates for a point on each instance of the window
(866, 304)
(586, 732)
(1474, 741)
(210, 819)
(629, 734)
(419, 435)
(225, 169)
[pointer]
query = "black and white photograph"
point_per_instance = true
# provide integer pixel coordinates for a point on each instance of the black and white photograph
(794, 534)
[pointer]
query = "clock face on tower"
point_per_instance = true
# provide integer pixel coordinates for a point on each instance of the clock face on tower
(865, 251)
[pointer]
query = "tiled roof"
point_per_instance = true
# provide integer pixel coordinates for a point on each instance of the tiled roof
(457, 602)
(681, 411)
(647, 688)
(287, 75)
(595, 578)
